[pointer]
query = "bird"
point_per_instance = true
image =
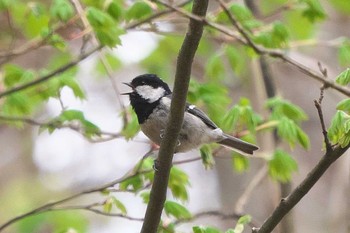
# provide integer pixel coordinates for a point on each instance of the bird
(151, 98)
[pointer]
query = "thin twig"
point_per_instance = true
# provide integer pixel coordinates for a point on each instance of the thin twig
(155, 15)
(47, 207)
(51, 75)
(34, 43)
(205, 21)
(243, 199)
(324, 129)
(239, 28)
(260, 50)
(211, 213)
(96, 211)
(72, 126)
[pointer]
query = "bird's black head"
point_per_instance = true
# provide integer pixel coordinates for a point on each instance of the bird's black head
(147, 90)
(149, 87)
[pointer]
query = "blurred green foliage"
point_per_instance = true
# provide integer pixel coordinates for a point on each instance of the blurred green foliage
(221, 66)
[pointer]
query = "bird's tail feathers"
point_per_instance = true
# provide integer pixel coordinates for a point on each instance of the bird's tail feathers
(238, 145)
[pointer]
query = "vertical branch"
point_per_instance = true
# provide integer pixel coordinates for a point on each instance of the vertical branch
(182, 78)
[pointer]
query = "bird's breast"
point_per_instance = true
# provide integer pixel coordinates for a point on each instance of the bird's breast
(194, 132)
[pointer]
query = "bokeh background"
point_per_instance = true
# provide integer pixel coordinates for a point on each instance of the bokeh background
(36, 168)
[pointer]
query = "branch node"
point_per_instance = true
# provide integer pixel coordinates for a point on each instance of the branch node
(283, 200)
(322, 69)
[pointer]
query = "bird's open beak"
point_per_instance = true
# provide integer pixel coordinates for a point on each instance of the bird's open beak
(128, 93)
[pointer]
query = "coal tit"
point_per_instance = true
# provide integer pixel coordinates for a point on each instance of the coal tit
(151, 99)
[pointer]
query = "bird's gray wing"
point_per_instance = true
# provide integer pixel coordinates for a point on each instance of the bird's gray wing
(200, 114)
(192, 109)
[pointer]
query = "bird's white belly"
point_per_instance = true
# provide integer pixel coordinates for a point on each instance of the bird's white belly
(194, 131)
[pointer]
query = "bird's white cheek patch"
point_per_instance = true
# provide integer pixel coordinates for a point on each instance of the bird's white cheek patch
(149, 93)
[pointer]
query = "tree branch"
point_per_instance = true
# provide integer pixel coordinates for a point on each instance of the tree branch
(101, 136)
(37, 42)
(50, 75)
(245, 40)
(299, 192)
(97, 211)
(182, 78)
(49, 206)
(214, 213)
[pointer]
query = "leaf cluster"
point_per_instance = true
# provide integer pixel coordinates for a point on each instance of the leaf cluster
(239, 228)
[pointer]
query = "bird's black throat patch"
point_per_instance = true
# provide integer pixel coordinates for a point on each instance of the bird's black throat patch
(142, 107)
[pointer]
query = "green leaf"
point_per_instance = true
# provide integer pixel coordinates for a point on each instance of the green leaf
(240, 116)
(115, 10)
(215, 68)
(134, 183)
(166, 227)
(245, 219)
(335, 130)
(209, 95)
(200, 229)
(299, 27)
(4, 4)
(57, 41)
(107, 205)
(240, 163)
(120, 206)
(62, 10)
(145, 196)
(88, 128)
(176, 210)
(339, 131)
(242, 221)
(313, 10)
(230, 231)
(207, 157)
(235, 59)
(287, 129)
(344, 77)
(288, 115)
(242, 14)
(105, 28)
(281, 166)
(281, 107)
(70, 82)
(113, 201)
(344, 105)
(138, 10)
(303, 139)
(98, 18)
(132, 128)
(69, 115)
(178, 182)
(14, 74)
(344, 53)
(18, 104)
(280, 34)
(277, 37)
(36, 20)
(230, 119)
